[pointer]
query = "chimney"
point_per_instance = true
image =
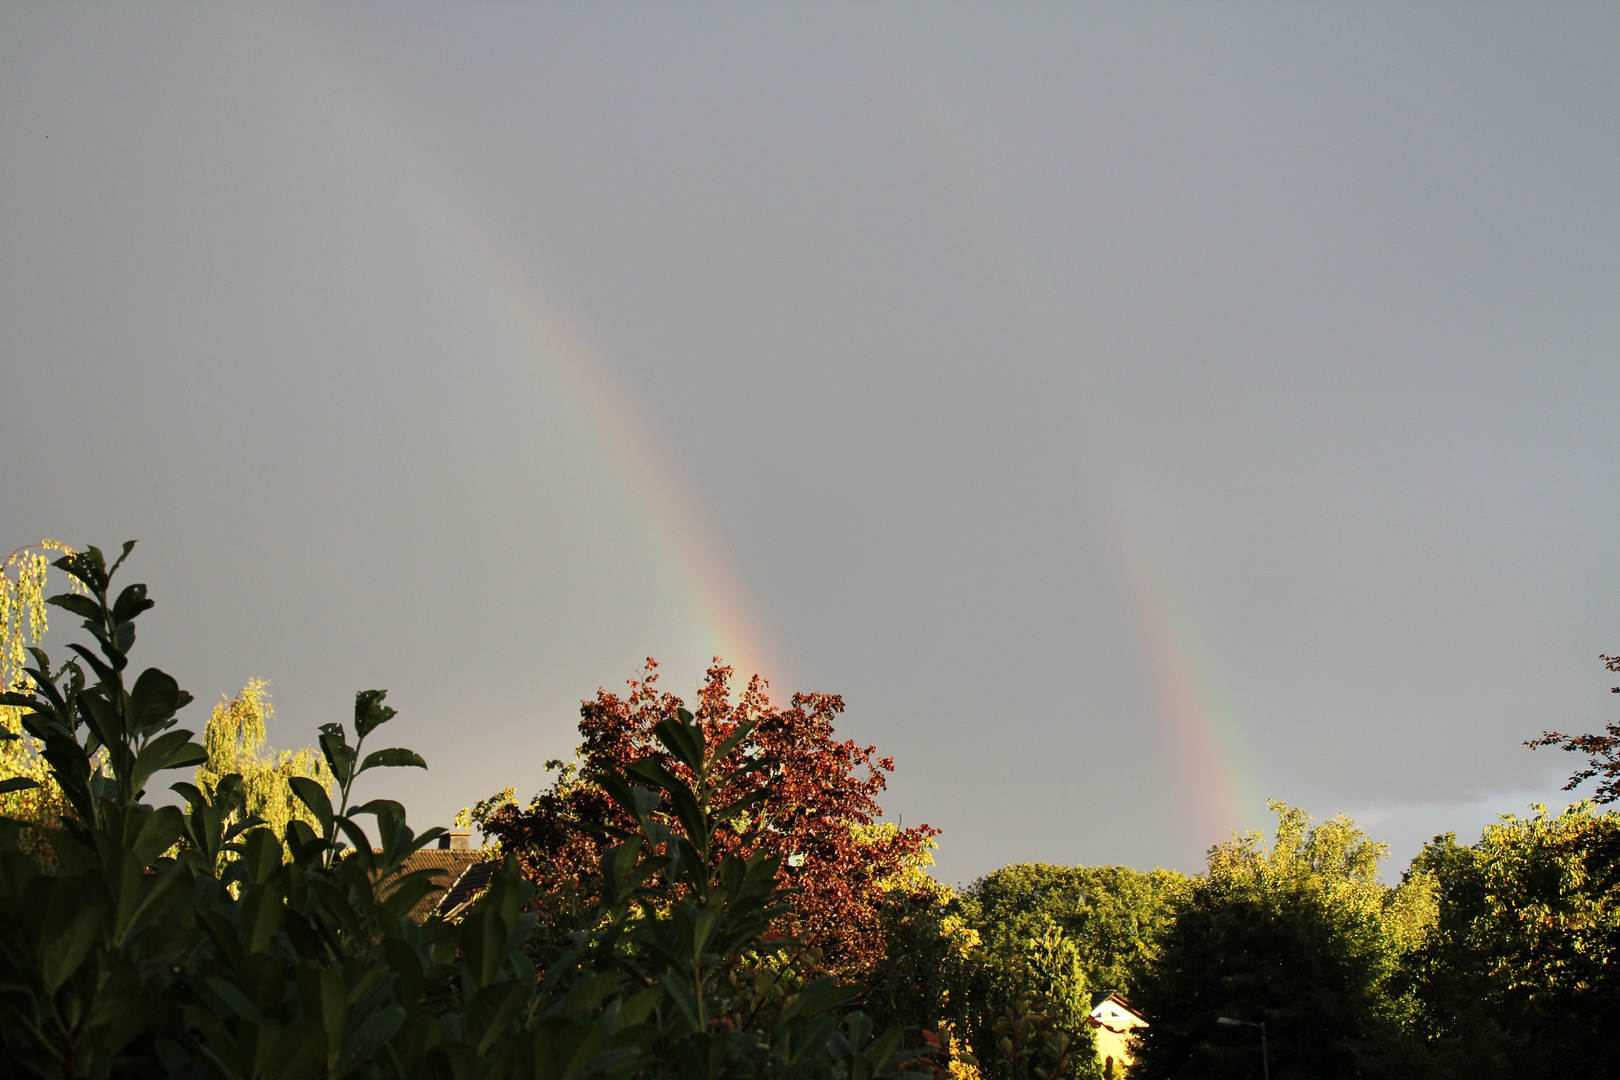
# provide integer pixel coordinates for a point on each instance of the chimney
(456, 840)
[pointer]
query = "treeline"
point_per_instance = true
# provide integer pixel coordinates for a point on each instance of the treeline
(709, 891)
(1491, 960)
(1495, 959)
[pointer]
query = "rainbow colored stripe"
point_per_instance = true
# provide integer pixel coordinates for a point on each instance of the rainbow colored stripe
(617, 444)
(1201, 737)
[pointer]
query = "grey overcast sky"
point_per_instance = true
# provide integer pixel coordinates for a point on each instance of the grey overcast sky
(1135, 411)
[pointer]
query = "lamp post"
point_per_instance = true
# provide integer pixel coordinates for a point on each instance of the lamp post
(1265, 1058)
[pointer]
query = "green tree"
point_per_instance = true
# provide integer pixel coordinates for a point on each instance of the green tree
(1522, 976)
(235, 738)
(1301, 937)
(931, 974)
(1011, 964)
(28, 790)
(1114, 915)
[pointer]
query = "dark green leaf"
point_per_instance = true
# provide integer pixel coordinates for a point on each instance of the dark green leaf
(732, 741)
(131, 602)
(370, 713)
(129, 546)
(87, 566)
(339, 754)
(382, 808)
(78, 604)
(394, 757)
(154, 699)
(171, 750)
(314, 796)
(162, 829)
(682, 740)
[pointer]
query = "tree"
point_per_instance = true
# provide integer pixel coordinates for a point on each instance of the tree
(28, 790)
(1022, 956)
(813, 815)
(235, 738)
(1521, 977)
(931, 972)
(1602, 751)
(1303, 938)
(1016, 962)
(1115, 916)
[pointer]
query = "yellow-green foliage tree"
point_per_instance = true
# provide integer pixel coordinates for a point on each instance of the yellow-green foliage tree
(28, 790)
(1522, 976)
(1303, 938)
(235, 739)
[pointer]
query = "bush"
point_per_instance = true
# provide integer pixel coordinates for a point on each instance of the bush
(142, 952)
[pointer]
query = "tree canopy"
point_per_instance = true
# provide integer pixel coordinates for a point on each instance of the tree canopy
(235, 740)
(1522, 974)
(1301, 937)
(814, 815)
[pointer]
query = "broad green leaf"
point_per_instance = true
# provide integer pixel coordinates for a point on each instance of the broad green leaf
(683, 740)
(78, 604)
(394, 757)
(370, 713)
(732, 741)
(131, 602)
(70, 931)
(232, 996)
(339, 754)
(314, 796)
(166, 825)
(171, 750)
(154, 699)
(129, 546)
(366, 1037)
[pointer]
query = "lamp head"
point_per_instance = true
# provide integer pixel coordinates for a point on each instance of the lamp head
(1228, 1021)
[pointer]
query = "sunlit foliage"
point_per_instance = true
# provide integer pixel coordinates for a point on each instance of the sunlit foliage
(1522, 976)
(814, 814)
(1301, 936)
(235, 738)
(24, 619)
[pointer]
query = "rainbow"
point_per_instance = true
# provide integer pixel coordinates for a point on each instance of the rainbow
(654, 495)
(1205, 742)
(1202, 737)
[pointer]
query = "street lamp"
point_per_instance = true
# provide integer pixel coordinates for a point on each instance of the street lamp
(1265, 1059)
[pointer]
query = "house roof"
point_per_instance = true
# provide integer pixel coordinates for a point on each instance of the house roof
(466, 888)
(1115, 1013)
(449, 870)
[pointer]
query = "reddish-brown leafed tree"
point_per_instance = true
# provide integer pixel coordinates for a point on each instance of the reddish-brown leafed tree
(1602, 752)
(816, 813)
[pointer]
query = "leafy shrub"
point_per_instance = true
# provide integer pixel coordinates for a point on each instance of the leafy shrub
(198, 943)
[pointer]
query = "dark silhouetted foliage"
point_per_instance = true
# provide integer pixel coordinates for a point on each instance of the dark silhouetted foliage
(133, 954)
